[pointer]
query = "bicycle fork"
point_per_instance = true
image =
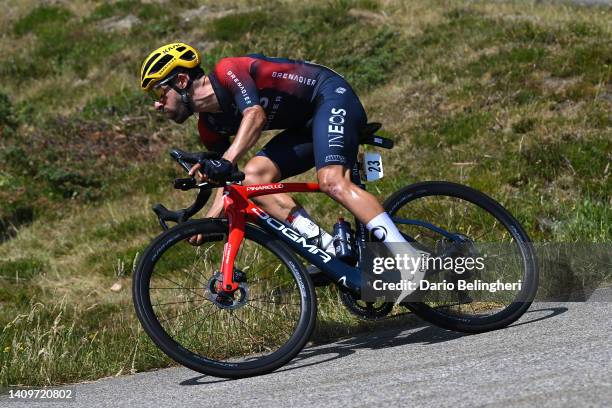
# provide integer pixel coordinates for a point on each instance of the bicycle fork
(236, 220)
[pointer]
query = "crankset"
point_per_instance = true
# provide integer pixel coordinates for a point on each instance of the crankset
(365, 310)
(226, 300)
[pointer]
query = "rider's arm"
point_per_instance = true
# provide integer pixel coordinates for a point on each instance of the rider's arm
(216, 209)
(253, 122)
(234, 75)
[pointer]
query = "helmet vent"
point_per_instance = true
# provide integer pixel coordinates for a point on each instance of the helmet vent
(163, 61)
(148, 64)
(146, 82)
(180, 49)
(188, 56)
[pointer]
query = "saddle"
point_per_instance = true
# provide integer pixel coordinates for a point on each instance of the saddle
(368, 136)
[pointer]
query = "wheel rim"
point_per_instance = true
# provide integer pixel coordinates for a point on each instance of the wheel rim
(252, 333)
(501, 248)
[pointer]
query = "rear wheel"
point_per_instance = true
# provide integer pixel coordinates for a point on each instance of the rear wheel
(257, 329)
(481, 227)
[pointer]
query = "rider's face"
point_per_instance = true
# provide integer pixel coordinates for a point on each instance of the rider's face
(170, 103)
(165, 101)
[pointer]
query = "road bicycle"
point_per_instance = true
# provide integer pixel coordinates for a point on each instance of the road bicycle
(243, 303)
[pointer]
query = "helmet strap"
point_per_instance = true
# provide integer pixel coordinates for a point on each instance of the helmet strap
(184, 94)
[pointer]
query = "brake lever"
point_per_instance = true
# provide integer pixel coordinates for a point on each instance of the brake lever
(184, 165)
(185, 183)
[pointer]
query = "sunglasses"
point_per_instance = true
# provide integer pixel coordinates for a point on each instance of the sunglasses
(158, 91)
(161, 89)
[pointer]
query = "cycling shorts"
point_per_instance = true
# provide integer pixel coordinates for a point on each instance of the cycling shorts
(330, 137)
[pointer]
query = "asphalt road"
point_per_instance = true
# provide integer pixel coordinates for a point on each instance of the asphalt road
(558, 354)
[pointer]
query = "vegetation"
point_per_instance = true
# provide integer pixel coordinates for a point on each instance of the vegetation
(510, 97)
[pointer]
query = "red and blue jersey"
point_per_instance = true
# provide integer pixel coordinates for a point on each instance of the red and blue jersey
(286, 89)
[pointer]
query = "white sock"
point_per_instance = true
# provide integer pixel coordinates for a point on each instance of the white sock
(300, 220)
(383, 228)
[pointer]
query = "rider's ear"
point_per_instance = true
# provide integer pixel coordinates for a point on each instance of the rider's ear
(182, 80)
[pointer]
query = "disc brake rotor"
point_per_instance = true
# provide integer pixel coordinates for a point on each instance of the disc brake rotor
(225, 300)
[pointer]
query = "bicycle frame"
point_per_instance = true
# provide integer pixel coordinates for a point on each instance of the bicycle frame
(239, 210)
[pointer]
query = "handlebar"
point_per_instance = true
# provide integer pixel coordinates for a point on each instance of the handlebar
(187, 160)
(179, 216)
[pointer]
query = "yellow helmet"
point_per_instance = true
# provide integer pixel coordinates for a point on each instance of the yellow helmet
(164, 60)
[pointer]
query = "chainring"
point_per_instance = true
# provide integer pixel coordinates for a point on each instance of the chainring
(365, 310)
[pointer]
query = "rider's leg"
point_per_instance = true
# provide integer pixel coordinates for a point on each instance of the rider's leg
(336, 125)
(335, 181)
(287, 154)
(261, 170)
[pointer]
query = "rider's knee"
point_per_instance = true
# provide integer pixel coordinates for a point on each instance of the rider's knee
(256, 172)
(334, 185)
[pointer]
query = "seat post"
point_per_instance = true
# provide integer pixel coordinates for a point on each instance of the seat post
(360, 228)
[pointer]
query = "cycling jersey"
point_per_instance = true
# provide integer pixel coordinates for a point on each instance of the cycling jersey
(317, 106)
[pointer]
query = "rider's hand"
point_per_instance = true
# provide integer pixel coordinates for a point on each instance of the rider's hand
(195, 171)
(220, 166)
(196, 240)
(218, 170)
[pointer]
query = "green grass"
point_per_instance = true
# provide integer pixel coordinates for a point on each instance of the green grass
(511, 98)
(41, 19)
(147, 11)
(585, 221)
(313, 32)
(234, 26)
(21, 269)
(64, 343)
(456, 130)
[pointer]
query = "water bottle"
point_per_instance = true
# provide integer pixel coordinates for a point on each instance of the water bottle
(342, 241)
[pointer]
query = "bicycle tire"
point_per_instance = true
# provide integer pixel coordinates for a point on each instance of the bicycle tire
(214, 229)
(473, 324)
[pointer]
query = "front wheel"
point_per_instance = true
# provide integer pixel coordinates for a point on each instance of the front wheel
(469, 225)
(257, 329)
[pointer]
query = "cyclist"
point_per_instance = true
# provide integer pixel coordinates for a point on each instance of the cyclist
(320, 113)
